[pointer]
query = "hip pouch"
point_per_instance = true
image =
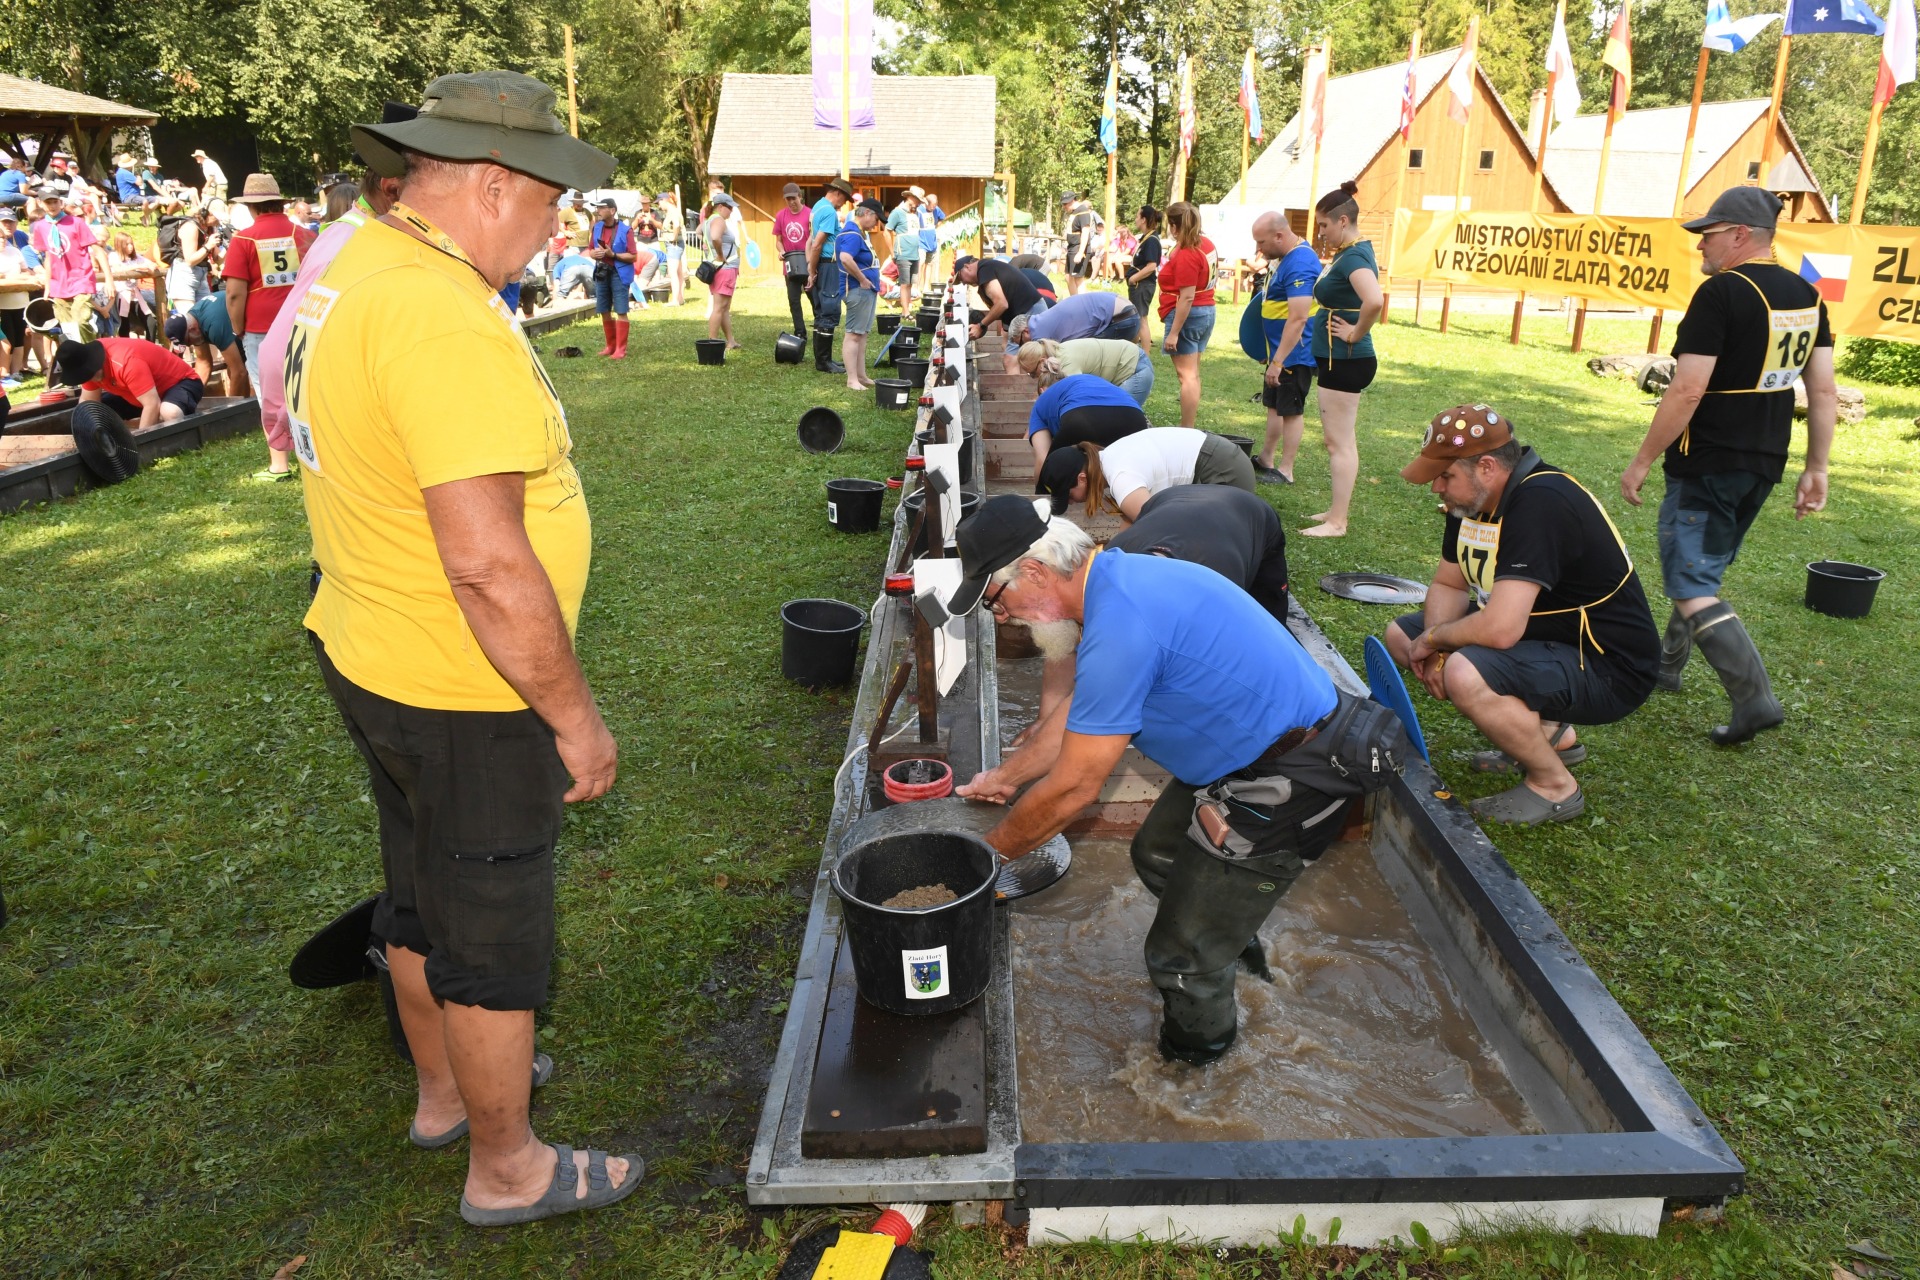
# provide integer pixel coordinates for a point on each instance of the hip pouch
(1289, 805)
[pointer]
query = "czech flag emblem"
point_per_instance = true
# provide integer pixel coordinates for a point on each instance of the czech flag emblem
(1827, 273)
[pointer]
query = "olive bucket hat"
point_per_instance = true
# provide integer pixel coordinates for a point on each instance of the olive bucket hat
(500, 116)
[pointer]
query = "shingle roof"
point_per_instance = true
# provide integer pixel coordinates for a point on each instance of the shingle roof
(20, 96)
(1366, 119)
(925, 127)
(1645, 164)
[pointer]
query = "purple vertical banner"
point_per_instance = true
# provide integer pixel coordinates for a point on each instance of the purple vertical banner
(828, 37)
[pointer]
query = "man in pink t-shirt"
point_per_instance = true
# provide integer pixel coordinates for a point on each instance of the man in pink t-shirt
(791, 226)
(71, 260)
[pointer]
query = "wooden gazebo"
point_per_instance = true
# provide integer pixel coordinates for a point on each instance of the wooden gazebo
(30, 109)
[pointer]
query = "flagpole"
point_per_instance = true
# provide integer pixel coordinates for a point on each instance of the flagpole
(1113, 156)
(846, 89)
(1399, 193)
(1866, 161)
(1600, 179)
(1539, 169)
(1773, 108)
(573, 100)
(1246, 137)
(1466, 141)
(1326, 83)
(1693, 122)
(1176, 188)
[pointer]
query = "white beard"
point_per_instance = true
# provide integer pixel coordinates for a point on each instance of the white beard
(1055, 640)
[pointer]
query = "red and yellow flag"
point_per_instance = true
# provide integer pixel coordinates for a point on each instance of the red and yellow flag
(1619, 56)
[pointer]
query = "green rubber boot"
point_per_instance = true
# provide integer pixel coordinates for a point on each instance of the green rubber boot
(1727, 647)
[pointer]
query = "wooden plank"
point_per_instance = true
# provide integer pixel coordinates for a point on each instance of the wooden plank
(884, 1085)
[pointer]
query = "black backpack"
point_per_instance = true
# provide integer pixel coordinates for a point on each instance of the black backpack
(167, 242)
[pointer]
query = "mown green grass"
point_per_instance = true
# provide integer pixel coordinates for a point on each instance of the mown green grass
(179, 809)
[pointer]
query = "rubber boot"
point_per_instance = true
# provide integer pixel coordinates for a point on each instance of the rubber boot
(1727, 647)
(1676, 646)
(1254, 961)
(823, 352)
(620, 339)
(606, 323)
(1175, 1047)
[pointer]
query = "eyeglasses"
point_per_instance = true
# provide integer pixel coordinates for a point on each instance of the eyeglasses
(992, 598)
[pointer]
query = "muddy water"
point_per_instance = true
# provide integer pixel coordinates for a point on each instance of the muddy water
(1360, 1034)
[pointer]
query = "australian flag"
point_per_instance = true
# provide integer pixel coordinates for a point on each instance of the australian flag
(1832, 17)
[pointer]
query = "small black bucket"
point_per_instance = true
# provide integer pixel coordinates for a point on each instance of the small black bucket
(892, 393)
(853, 506)
(821, 430)
(906, 341)
(789, 348)
(913, 369)
(710, 350)
(887, 321)
(917, 961)
(818, 641)
(912, 504)
(1245, 442)
(1841, 590)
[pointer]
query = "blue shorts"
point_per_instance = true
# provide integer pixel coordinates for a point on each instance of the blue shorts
(1703, 520)
(1195, 332)
(1126, 328)
(675, 252)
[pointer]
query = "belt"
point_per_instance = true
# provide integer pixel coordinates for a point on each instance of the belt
(1294, 739)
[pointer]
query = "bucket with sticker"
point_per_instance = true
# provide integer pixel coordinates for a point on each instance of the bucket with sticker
(853, 506)
(931, 950)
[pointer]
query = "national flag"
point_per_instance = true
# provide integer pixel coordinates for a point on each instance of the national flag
(1832, 17)
(1460, 79)
(1619, 56)
(1410, 91)
(1827, 272)
(1725, 34)
(1313, 98)
(1250, 100)
(1186, 105)
(1110, 110)
(1566, 85)
(1896, 51)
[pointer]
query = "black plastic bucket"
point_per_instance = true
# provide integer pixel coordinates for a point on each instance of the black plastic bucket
(853, 506)
(969, 446)
(912, 504)
(893, 393)
(1245, 442)
(789, 348)
(710, 350)
(1841, 590)
(913, 369)
(887, 321)
(917, 961)
(821, 430)
(906, 341)
(818, 641)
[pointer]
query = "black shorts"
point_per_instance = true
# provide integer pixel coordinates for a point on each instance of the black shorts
(470, 808)
(1141, 295)
(1079, 262)
(1100, 424)
(13, 326)
(1288, 397)
(1550, 677)
(1348, 375)
(184, 395)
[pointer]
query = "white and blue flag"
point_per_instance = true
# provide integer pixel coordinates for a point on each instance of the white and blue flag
(1726, 35)
(1832, 17)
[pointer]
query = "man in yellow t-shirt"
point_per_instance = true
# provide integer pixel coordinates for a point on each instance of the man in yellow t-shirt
(453, 541)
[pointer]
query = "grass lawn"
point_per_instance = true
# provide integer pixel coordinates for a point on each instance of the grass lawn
(179, 809)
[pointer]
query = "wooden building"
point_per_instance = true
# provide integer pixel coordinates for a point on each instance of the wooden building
(44, 113)
(1644, 167)
(934, 132)
(1361, 143)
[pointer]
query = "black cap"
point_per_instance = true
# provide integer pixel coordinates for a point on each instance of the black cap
(1740, 206)
(607, 203)
(873, 207)
(177, 330)
(1059, 473)
(78, 362)
(990, 539)
(964, 260)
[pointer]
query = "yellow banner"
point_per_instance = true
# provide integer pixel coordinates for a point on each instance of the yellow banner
(1869, 276)
(1634, 262)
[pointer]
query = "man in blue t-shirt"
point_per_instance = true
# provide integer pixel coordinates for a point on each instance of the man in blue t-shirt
(823, 272)
(126, 183)
(14, 181)
(1285, 316)
(1183, 664)
(861, 276)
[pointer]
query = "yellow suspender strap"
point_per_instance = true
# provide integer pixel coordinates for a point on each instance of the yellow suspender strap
(1586, 627)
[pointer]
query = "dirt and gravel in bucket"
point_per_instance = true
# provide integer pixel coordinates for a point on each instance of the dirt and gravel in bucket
(921, 896)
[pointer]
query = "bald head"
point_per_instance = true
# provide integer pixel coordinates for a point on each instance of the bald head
(1273, 237)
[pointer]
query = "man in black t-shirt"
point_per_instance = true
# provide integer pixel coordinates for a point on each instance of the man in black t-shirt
(1083, 240)
(1535, 620)
(1750, 333)
(1004, 287)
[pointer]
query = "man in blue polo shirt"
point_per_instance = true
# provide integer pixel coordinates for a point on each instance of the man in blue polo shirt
(1185, 665)
(823, 268)
(1285, 313)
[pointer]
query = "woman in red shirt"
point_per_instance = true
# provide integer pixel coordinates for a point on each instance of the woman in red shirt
(1186, 303)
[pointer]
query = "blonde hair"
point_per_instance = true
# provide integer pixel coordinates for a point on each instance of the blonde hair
(1183, 220)
(1041, 359)
(120, 237)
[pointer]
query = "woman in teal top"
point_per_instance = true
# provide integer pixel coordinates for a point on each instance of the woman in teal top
(1348, 292)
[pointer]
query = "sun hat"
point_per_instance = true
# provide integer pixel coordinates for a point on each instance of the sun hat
(918, 193)
(1464, 431)
(841, 185)
(390, 113)
(260, 188)
(990, 539)
(499, 116)
(78, 362)
(199, 155)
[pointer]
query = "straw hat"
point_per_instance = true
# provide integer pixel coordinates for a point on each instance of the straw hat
(260, 188)
(498, 116)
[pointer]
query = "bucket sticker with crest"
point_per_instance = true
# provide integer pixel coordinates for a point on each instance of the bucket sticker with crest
(926, 973)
